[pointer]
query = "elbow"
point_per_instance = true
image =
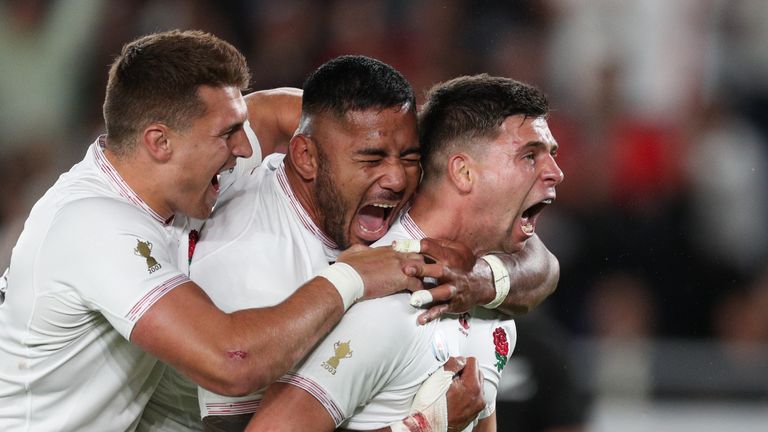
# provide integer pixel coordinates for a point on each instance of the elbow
(233, 376)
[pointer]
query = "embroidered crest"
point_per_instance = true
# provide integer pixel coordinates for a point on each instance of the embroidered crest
(342, 351)
(502, 347)
(144, 250)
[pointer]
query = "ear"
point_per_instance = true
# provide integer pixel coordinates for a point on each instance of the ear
(461, 172)
(156, 141)
(302, 152)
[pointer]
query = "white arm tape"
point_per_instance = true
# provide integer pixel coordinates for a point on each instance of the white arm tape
(347, 282)
(500, 280)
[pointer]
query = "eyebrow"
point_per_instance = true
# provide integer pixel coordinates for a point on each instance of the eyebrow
(232, 128)
(538, 145)
(373, 151)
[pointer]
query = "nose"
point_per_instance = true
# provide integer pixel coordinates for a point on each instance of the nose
(240, 145)
(551, 173)
(393, 176)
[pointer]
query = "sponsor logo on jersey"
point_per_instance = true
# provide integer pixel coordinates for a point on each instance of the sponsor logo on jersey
(144, 250)
(501, 345)
(341, 351)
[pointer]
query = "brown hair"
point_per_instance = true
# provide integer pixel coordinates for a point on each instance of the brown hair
(156, 77)
(459, 111)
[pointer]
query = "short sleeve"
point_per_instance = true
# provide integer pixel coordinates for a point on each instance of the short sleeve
(113, 256)
(491, 343)
(370, 346)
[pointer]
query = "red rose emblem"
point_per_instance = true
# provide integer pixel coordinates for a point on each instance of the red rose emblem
(502, 347)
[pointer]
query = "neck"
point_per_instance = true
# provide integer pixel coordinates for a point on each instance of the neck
(140, 178)
(438, 213)
(303, 190)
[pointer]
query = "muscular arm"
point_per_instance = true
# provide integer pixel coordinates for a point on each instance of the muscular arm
(533, 272)
(237, 353)
(274, 115)
(234, 354)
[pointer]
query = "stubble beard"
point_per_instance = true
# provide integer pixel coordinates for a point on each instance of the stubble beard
(329, 201)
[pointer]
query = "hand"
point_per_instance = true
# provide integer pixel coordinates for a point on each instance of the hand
(465, 395)
(465, 280)
(383, 270)
(448, 400)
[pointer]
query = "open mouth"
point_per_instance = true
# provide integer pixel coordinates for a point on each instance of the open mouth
(531, 214)
(215, 182)
(373, 220)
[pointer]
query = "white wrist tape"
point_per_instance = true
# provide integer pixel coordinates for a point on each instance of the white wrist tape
(407, 245)
(500, 280)
(347, 282)
(429, 410)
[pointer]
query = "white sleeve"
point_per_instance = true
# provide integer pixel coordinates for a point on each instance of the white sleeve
(491, 343)
(117, 259)
(364, 352)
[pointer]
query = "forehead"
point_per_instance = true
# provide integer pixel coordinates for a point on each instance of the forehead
(224, 105)
(394, 127)
(520, 130)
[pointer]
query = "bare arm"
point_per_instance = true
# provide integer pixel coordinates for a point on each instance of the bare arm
(274, 115)
(533, 273)
(237, 353)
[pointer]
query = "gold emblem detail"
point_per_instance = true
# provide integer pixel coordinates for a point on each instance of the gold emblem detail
(341, 351)
(144, 250)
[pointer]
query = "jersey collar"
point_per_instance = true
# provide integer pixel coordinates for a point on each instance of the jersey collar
(119, 184)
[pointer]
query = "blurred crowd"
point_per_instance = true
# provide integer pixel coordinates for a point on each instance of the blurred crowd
(660, 109)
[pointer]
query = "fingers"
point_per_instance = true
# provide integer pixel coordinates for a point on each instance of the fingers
(433, 313)
(422, 269)
(455, 364)
(470, 374)
(443, 293)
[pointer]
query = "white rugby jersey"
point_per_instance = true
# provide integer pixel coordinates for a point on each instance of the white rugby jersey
(173, 406)
(92, 259)
(367, 370)
(257, 248)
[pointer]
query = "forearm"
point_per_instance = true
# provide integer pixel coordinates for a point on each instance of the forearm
(533, 276)
(235, 354)
(274, 116)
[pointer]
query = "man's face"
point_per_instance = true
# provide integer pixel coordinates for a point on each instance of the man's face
(517, 180)
(210, 145)
(368, 167)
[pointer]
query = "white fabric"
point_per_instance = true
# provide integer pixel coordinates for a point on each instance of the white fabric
(368, 369)
(174, 404)
(258, 247)
(92, 259)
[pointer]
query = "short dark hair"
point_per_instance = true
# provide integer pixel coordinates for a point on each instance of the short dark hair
(355, 83)
(459, 111)
(156, 79)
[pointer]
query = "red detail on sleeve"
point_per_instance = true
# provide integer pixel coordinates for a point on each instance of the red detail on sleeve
(194, 236)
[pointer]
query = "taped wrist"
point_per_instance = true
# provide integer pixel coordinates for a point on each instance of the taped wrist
(500, 280)
(429, 410)
(347, 282)
(416, 422)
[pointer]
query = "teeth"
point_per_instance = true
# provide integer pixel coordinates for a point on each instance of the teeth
(547, 201)
(528, 228)
(383, 205)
